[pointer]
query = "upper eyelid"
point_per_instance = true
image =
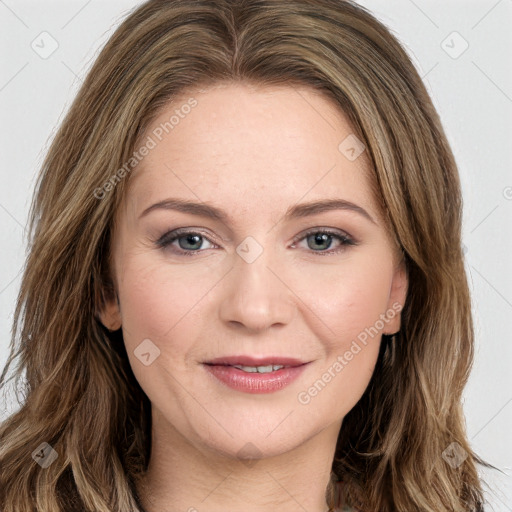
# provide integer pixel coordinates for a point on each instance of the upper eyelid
(179, 232)
(331, 231)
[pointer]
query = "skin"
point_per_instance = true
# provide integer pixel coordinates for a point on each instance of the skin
(253, 152)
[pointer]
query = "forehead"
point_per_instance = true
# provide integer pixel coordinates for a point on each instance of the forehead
(250, 146)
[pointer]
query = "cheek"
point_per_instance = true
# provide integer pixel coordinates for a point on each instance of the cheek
(162, 304)
(159, 301)
(347, 298)
(350, 301)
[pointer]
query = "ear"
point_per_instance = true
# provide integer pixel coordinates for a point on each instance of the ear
(110, 316)
(110, 312)
(397, 296)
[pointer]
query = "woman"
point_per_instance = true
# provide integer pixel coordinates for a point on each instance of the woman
(189, 341)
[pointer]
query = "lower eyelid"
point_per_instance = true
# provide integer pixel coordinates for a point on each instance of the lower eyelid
(344, 242)
(344, 239)
(164, 242)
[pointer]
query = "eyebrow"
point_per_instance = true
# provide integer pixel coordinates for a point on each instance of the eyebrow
(296, 211)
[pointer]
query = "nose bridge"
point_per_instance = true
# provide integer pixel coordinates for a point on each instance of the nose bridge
(256, 297)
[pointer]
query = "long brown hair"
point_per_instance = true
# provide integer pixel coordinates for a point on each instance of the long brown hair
(80, 395)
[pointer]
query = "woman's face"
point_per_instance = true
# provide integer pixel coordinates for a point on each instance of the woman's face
(252, 273)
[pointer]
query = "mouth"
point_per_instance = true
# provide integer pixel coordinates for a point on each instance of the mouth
(251, 364)
(255, 375)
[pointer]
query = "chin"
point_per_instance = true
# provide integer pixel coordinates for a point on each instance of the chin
(249, 441)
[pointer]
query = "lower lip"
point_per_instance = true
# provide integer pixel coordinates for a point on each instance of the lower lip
(255, 382)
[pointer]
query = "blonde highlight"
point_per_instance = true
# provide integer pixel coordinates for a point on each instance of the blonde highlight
(81, 396)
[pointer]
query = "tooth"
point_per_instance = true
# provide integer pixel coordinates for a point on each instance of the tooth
(250, 369)
(258, 369)
(265, 369)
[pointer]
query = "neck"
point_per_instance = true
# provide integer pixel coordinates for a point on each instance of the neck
(196, 478)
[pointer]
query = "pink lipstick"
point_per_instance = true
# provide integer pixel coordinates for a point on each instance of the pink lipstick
(256, 374)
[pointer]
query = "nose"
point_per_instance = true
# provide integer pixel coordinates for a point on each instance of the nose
(255, 295)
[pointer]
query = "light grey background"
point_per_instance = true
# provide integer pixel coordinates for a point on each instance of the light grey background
(471, 89)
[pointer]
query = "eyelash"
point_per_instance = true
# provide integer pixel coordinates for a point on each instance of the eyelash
(168, 238)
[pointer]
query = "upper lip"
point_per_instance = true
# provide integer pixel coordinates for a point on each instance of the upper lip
(255, 361)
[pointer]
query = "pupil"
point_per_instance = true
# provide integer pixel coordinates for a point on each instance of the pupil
(322, 238)
(190, 238)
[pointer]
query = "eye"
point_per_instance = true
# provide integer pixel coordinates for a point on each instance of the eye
(189, 242)
(319, 239)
